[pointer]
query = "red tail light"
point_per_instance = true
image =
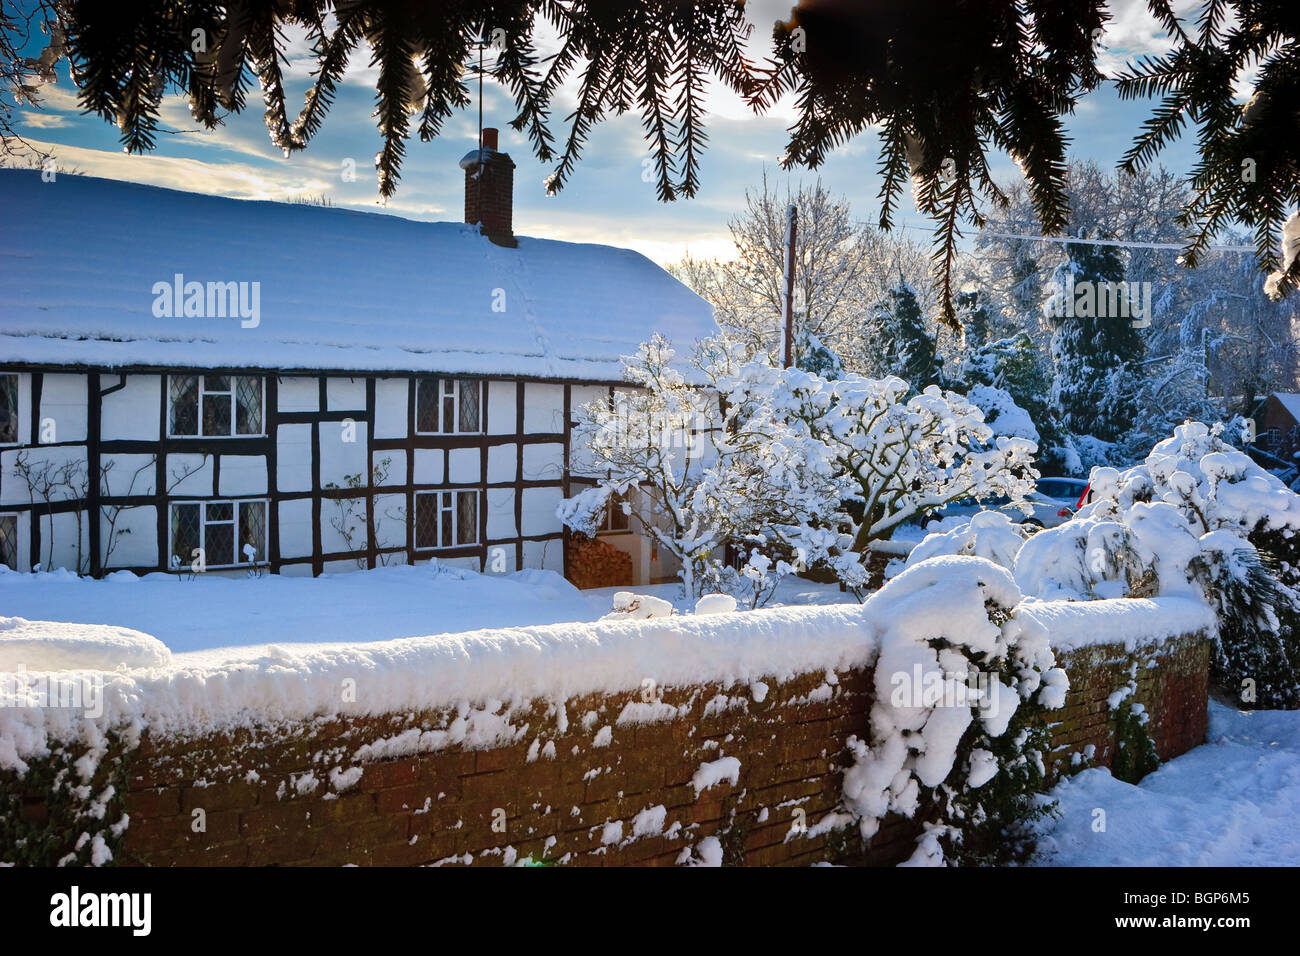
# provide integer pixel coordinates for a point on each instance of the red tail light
(1083, 498)
(1064, 513)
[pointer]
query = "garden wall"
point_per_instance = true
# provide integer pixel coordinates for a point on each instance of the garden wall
(640, 777)
(670, 769)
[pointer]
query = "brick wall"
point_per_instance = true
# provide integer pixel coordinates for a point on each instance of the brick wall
(1171, 682)
(568, 785)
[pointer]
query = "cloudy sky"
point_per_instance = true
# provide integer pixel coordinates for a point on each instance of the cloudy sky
(605, 201)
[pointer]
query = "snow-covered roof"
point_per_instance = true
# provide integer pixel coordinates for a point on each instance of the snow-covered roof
(1291, 402)
(80, 257)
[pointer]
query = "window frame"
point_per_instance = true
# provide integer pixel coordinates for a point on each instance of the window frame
(17, 422)
(5, 515)
(233, 392)
(454, 511)
(614, 501)
(442, 397)
(236, 504)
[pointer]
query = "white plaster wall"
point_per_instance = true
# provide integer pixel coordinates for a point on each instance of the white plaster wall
(131, 413)
(295, 529)
(42, 462)
(501, 513)
(428, 466)
(390, 407)
(333, 518)
(339, 458)
(464, 465)
(396, 467)
(242, 475)
(135, 535)
(65, 550)
(298, 393)
(198, 484)
(548, 555)
(293, 458)
(502, 463)
(502, 407)
(390, 522)
(346, 394)
(543, 462)
(538, 513)
(63, 405)
(120, 477)
(543, 408)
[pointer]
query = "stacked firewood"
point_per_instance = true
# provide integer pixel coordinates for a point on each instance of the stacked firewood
(595, 564)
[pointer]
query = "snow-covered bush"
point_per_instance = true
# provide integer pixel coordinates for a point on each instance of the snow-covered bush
(965, 756)
(870, 458)
(1197, 517)
(688, 470)
(753, 583)
(988, 534)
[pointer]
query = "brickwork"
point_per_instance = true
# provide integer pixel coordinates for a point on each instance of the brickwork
(1171, 681)
(608, 779)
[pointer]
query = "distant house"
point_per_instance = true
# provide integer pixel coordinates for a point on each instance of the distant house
(302, 389)
(1278, 428)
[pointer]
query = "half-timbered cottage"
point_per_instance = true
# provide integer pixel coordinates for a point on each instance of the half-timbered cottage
(186, 378)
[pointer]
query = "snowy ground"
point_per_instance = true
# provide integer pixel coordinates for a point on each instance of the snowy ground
(1229, 802)
(214, 612)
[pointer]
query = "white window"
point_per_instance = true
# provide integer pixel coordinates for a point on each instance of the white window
(9, 541)
(446, 519)
(226, 533)
(448, 406)
(215, 406)
(8, 409)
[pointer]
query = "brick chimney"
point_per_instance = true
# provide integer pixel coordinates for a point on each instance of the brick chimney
(489, 188)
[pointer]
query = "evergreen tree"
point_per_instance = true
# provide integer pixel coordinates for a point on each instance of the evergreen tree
(907, 347)
(973, 317)
(813, 355)
(1095, 347)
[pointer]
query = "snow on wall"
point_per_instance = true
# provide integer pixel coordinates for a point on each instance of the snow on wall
(509, 664)
(1133, 622)
(405, 296)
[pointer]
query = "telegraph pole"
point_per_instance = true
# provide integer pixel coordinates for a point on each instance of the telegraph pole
(791, 229)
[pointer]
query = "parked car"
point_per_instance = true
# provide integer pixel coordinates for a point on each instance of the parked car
(1052, 502)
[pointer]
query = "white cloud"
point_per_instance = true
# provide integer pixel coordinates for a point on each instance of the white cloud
(42, 120)
(237, 180)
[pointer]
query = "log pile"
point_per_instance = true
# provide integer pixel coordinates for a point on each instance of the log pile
(594, 564)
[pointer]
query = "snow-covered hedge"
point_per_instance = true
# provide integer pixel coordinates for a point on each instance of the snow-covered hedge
(964, 752)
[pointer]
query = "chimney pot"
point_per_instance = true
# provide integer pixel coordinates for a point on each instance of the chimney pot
(489, 138)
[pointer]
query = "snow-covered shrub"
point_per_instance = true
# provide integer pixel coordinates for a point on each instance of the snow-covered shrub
(988, 534)
(965, 760)
(753, 583)
(1197, 517)
(869, 458)
(1002, 413)
(689, 469)
(638, 607)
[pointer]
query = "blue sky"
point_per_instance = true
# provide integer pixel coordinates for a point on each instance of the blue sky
(606, 200)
